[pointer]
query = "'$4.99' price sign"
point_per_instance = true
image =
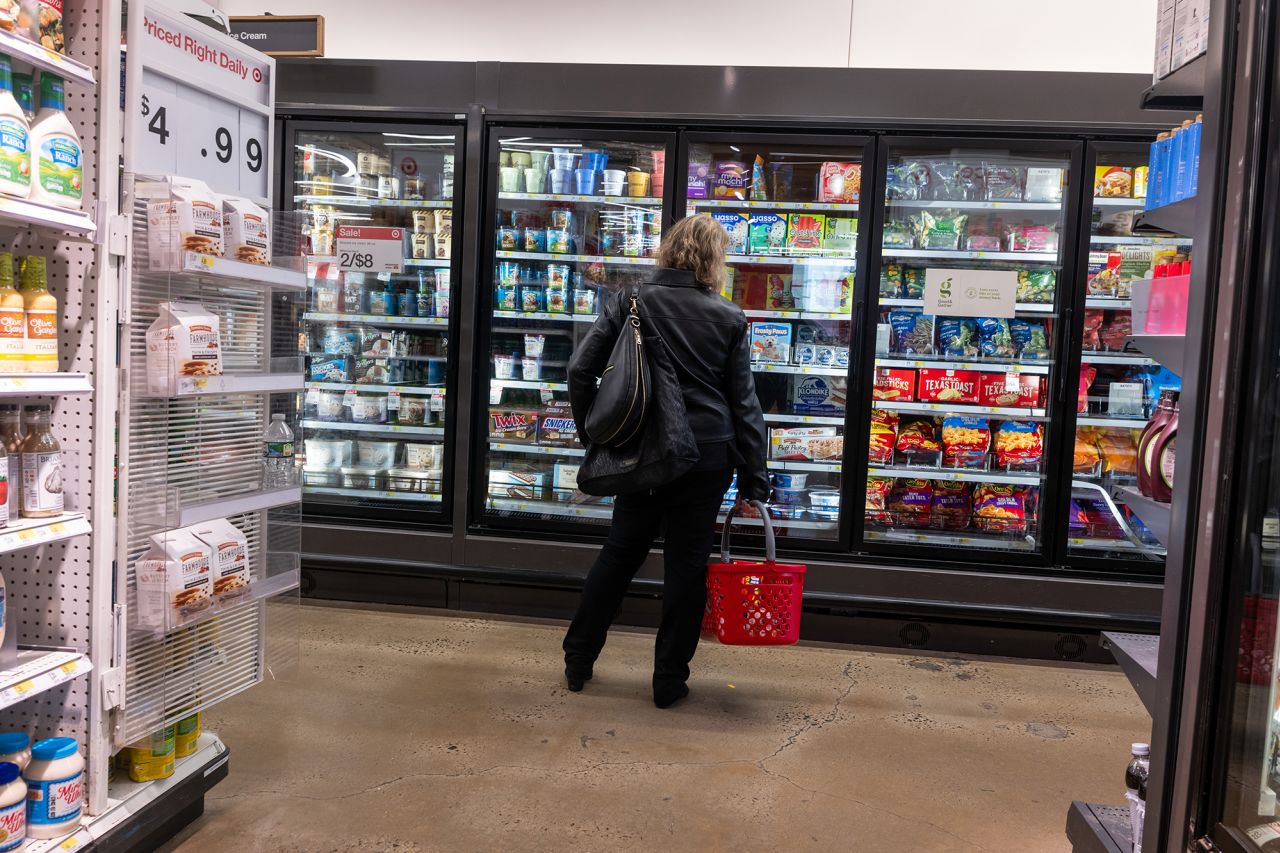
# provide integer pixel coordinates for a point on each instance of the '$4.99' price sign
(363, 248)
(201, 104)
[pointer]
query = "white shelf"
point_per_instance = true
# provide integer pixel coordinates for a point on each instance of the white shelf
(38, 671)
(1137, 240)
(923, 537)
(789, 260)
(545, 315)
(21, 213)
(420, 497)
(1087, 357)
(817, 420)
(377, 319)
(534, 449)
(250, 383)
(1108, 302)
(574, 259)
(647, 201)
(798, 465)
(987, 366)
(976, 205)
(815, 370)
(363, 201)
(1021, 307)
(976, 255)
(402, 429)
(957, 474)
(529, 385)
(44, 384)
(1123, 423)
(228, 271)
(438, 263)
(374, 389)
(25, 50)
(197, 513)
(798, 315)
(29, 532)
(1099, 201)
(734, 204)
(960, 409)
(564, 510)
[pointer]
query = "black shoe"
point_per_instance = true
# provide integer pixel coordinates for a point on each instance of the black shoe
(576, 680)
(665, 696)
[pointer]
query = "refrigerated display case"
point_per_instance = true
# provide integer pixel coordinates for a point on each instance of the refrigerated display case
(1119, 385)
(574, 216)
(967, 342)
(791, 207)
(378, 359)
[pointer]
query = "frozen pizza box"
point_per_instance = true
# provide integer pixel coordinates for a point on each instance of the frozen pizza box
(766, 234)
(947, 386)
(1013, 390)
(894, 384)
(771, 342)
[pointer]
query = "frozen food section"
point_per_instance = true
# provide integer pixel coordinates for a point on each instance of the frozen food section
(1130, 286)
(790, 206)
(575, 217)
(967, 326)
(377, 341)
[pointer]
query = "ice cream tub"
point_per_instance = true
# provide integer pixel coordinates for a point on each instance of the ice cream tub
(825, 499)
(789, 480)
(377, 454)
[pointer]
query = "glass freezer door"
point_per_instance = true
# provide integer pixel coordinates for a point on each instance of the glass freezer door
(966, 327)
(576, 216)
(790, 205)
(1120, 386)
(377, 342)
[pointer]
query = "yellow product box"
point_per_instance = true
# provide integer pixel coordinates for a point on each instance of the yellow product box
(187, 736)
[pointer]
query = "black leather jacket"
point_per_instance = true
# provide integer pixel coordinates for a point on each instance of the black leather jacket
(710, 345)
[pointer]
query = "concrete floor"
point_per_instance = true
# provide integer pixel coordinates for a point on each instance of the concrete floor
(416, 731)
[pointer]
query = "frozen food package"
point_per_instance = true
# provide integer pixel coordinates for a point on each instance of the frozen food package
(246, 231)
(840, 237)
(890, 281)
(766, 234)
(946, 184)
(921, 180)
(1103, 274)
(839, 182)
(518, 426)
(735, 224)
(556, 426)
(884, 434)
(913, 332)
(1086, 456)
(806, 443)
(780, 177)
(1113, 182)
(1019, 444)
(229, 553)
(443, 233)
(182, 342)
(1119, 452)
(899, 234)
(698, 175)
(1038, 285)
(771, 342)
(910, 503)
(958, 337)
(965, 434)
(952, 505)
(517, 484)
(1010, 390)
(49, 32)
(1002, 182)
(1030, 339)
(878, 500)
(995, 339)
(819, 395)
(759, 192)
(1032, 238)
(779, 292)
(1087, 374)
(918, 436)
(1115, 330)
(970, 181)
(947, 386)
(999, 508)
(1092, 339)
(913, 282)
(732, 180)
(894, 384)
(940, 229)
(1043, 184)
(173, 579)
(804, 233)
(189, 220)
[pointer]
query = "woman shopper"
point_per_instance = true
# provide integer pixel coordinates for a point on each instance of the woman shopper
(708, 339)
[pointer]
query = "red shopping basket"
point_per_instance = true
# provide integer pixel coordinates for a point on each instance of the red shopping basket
(753, 604)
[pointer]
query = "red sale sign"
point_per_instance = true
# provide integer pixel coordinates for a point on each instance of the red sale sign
(369, 248)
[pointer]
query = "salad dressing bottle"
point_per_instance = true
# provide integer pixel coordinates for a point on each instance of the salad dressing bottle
(55, 146)
(13, 321)
(41, 308)
(15, 138)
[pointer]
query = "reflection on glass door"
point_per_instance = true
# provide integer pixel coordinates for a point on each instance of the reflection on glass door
(791, 210)
(1121, 388)
(377, 343)
(577, 217)
(972, 250)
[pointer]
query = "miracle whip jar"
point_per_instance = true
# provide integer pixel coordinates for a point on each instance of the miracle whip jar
(55, 787)
(13, 807)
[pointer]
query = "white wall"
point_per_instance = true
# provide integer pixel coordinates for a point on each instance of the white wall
(1040, 35)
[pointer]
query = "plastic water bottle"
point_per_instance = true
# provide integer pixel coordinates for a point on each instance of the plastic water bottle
(277, 454)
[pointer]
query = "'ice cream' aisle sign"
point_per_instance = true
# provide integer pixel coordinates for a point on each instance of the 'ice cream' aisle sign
(199, 103)
(970, 293)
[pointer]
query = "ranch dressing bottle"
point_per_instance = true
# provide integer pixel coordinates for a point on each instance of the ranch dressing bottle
(15, 138)
(56, 152)
(13, 321)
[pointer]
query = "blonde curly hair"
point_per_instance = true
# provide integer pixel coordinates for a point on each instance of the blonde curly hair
(696, 243)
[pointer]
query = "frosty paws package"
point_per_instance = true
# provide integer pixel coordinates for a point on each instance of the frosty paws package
(771, 342)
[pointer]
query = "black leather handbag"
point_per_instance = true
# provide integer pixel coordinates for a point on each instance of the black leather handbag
(626, 387)
(664, 446)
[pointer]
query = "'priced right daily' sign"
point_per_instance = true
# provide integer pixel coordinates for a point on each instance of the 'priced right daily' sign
(970, 293)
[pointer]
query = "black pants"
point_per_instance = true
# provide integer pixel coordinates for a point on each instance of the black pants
(688, 507)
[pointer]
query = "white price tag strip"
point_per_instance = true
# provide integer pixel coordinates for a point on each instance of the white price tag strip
(363, 248)
(39, 672)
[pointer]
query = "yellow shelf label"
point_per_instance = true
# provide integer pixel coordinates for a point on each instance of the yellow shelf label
(25, 686)
(70, 666)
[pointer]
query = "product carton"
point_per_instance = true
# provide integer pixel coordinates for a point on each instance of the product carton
(188, 220)
(736, 226)
(183, 343)
(229, 551)
(1010, 390)
(174, 581)
(246, 230)
(894, 384)
(948, 386)
(771, 342)
(766, 234)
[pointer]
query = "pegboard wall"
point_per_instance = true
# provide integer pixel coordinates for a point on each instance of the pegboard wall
(50, 588)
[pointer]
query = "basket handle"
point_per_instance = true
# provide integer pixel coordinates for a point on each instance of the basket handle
(770, 549)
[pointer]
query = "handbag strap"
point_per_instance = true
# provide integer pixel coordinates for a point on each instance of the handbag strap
(770, 549)
(633, 312)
